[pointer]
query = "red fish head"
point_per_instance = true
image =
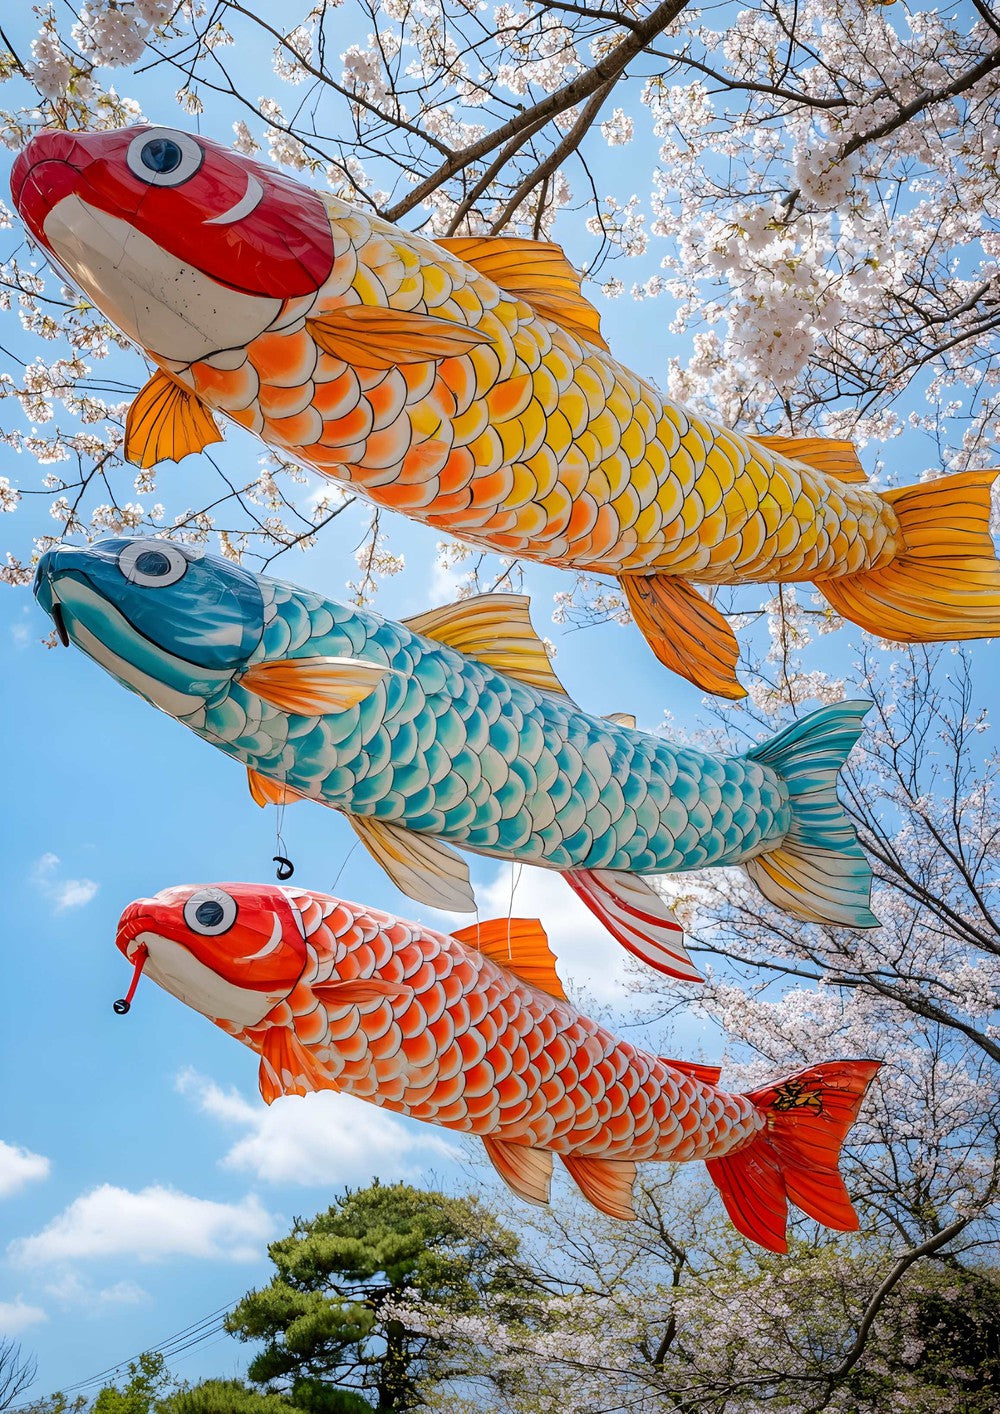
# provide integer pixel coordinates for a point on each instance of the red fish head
(231, 951)
(189, 247)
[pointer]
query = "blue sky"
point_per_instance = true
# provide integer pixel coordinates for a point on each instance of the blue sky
(140, 1174)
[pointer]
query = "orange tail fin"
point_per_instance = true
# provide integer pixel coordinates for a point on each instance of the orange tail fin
(945, 583)
(795, 1158)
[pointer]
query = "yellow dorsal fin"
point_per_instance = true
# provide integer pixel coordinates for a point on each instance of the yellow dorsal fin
(495, 629)
(520, 945)
(621, 719)
(537, 272)
(313, 687)
(166, 422)
(708, 1074)
(373, 337)
(287, 1068)
(268, 792)
(835, 458)
(607, 1183)
(527, 1171)
(418, 865)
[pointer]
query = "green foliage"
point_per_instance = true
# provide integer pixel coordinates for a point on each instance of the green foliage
(148, 1379)
(332, 1340)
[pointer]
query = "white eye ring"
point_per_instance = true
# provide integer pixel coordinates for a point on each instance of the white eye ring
(152, 563)
(171, 158)
(218, 912)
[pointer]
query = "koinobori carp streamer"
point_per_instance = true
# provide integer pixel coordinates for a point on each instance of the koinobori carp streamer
(473, 1032)
(465, 382)
(424, 747)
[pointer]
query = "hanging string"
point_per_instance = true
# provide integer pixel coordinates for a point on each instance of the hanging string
(285, 866)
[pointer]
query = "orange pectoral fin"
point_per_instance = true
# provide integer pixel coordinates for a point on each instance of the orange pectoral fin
(607, 1183)
(385, 338)
(687, 634)
(366, 989)
(268, 792)
(314, 687)
(166, 422)
(287, 1068)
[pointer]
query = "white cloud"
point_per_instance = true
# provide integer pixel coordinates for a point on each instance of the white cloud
(16, 1316)
(150, 1225)
(318, 1140)
(71, 1291)
(63, 893)
(19, 1167)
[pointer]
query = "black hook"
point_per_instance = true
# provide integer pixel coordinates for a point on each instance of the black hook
(285, 867)
(122, 1006)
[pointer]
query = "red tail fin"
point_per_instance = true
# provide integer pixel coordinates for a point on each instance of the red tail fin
(795, 1158)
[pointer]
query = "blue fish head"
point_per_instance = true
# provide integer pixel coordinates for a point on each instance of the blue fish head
(168, 621)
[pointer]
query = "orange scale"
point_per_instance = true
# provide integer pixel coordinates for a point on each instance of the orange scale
(419, 379)
(286, 359)
(376, 1022)
(639, 1103)
(425, 459)
(457, 471)
(454, 1116)
(311, 1027)
(621, 1127)
(451, 1061)
(433, 1003)
(408, 496)
(338, 397)
(583, 517)
(420, 1049)
(358, 1080)
(482, 1106)
(512, 1090)
(392, 1093)
(354, 426)
(299, 431)
(423, 980)
(689, 1120)
(390, 1043)
(593, 1085)
(443, 1031)
(454, 987)
(278, 403)
(607, 529)
(458, 376)
(250, 418)
(472, 1047)
(341, 1028)
(389, 446)
(229, 389)
(562, 1111)
(353, 1048)
(479, 1080)
(448, 1092)
(412, 1020)
(327, 367)
(387, 400)
(411, 956)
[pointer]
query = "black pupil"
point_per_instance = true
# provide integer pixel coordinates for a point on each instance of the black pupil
(161, 155)
(210, 913)
(152, 562)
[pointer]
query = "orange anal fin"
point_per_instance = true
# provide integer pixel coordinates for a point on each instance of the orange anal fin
(607, 1183)
(287, 1068)
(268, 792)
(519, 945)
(795, 1158)
(707, 1074)
(637, 917)
(166, 422)
(373, 337)
(527, 1171)
(826, 454)
(686, 633)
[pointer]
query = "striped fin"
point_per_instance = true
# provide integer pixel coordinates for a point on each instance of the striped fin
(687, 634)
(166, 422)
(607, 1183)
(635, 914)
(373, 337)
(267, 792)
(527, 1171)
(519, 945)
(287, 1068)
(535, 271)
(495, 629)
(417, 864)
(795, 1158)
(818, 872)
(945, 581)
(314, 687)
(826, 454)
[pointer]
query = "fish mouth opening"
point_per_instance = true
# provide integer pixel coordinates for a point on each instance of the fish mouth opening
(60, 623)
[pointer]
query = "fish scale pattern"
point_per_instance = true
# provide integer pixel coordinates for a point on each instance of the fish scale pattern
(474, 1048)
(535, 444)
(452, 748)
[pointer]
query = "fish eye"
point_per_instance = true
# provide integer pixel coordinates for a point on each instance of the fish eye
(164, 158)
(152, 563)
(210, 912)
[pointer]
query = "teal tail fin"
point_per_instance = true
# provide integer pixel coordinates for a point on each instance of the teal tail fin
(819, 871)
